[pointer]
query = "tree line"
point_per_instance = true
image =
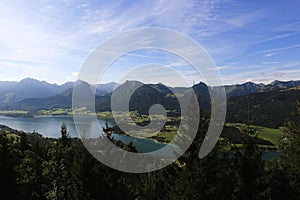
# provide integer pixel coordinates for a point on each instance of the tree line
(61, 169)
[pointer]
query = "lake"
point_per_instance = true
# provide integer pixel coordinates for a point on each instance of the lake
(49, 126)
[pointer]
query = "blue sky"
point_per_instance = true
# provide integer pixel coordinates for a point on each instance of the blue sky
(255, 41)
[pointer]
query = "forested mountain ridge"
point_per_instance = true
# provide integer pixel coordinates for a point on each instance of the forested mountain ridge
(269, 109)
(264, 105)
(250, 87)
(12, 91)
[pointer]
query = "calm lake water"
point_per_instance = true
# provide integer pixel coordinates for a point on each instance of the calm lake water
(49, 126)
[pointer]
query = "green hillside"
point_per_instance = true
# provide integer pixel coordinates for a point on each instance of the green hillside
(270, 109)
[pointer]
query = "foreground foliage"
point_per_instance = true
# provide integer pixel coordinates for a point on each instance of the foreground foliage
(32, 167)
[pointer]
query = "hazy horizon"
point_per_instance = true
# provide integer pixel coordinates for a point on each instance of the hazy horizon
(144, 82)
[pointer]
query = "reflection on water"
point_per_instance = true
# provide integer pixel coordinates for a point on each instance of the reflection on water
(49, 126)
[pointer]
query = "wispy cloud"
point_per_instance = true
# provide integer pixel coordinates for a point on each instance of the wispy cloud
(276, 37)
(270, 63)
(73, 76)
(263, 74)
(270, 54)
(294, 27)
(50, 39)
(281, 49)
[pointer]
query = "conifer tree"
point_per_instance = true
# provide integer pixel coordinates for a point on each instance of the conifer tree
(290, 153)
(250, 167)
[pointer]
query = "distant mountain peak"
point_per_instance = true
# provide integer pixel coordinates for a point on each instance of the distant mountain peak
(79, 81)
(28, 79)
(200, 84)
(275, 82)
(132, 82)
(249, 83)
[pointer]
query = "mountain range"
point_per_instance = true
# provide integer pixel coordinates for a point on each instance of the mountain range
(249, 87)
(260, 104)
(12, 91)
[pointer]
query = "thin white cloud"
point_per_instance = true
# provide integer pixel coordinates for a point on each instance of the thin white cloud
(84, 5)
(73, 76)
(263, 74)
(56, 36)
(294, 27)
(270, 63)
(274, 38)
(287, 65)
(270, 54)
(274, 50)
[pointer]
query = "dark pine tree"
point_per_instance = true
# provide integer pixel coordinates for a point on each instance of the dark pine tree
(250, 167)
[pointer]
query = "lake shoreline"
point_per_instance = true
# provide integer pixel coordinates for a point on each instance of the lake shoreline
(49, 127)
